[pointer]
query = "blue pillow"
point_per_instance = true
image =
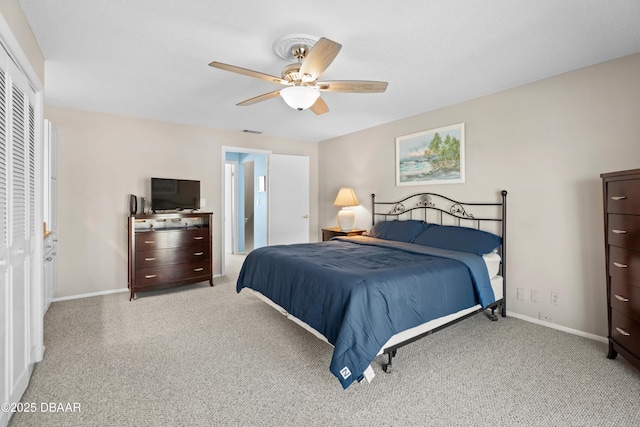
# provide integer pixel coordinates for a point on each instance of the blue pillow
(462, 239)
(401, 231)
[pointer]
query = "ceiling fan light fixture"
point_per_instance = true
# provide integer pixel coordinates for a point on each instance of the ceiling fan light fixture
(300, 79)
(300, 97)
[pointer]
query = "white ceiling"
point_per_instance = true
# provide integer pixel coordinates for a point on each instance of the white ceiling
(149, 58)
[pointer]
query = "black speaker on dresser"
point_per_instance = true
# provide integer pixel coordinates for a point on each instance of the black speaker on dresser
(133, 204)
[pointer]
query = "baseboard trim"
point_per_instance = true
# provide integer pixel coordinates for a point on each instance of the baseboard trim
(558, 327)
(95, 294)
(89, 295)
(38, 353)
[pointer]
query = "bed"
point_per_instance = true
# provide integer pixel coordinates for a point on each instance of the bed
(427, 262)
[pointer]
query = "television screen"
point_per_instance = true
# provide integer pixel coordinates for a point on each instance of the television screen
(174, 194)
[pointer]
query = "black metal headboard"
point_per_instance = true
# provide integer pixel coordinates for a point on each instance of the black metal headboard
(436, 208)
(421, 203)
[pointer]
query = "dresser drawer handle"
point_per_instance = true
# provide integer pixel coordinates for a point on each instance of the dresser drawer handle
(619, 231)
(198, 269)
(198, 238)
(150, 259)
(623, 332)
(198, 253)
(149, 276)
(149, 241)
(621, 298)
(618, 197)
(617, 264)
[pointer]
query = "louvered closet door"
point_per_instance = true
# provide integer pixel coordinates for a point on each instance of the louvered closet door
(18, 232)
(4, 240)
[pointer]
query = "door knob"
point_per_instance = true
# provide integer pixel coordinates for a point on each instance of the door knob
(305, 216)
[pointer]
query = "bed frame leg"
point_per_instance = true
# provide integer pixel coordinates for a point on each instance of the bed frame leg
(493, 316)
(388, 367)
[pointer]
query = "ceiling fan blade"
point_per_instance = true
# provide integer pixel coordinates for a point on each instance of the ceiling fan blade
(319, 58)
(359, 86)
(247, 72)
(319, 107)
(259, 98)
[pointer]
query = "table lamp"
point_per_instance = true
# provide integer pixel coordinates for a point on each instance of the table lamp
(345, 199)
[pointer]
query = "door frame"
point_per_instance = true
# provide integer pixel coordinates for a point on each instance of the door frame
(229, 149)
(234, 206)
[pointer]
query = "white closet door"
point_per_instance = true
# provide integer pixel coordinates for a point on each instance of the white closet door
(4, 242)
(19, 235)
(18, 232)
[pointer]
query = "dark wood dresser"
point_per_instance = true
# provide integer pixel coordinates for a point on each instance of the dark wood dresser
(169, 250)
(622, 248)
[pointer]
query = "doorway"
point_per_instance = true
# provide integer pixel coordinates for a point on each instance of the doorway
(244, 207)
(267, 198)
(249, 211)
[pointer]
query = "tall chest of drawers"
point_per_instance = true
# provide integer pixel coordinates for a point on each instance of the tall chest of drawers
(622, 248)
(169, 250)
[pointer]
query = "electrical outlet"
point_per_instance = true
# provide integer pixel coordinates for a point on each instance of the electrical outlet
(555, 298)
(535, 295)
(521, 294)
(544, 317)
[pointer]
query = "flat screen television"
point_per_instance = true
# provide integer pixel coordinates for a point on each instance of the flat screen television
(174, 194)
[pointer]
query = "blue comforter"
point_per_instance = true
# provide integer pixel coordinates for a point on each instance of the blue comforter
(359, 291)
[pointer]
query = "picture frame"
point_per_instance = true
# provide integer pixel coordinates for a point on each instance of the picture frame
(434, 156)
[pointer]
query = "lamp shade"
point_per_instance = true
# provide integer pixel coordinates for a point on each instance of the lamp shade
(299, 97)
(346, 197)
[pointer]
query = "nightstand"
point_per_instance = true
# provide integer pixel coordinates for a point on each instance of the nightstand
(329, 233)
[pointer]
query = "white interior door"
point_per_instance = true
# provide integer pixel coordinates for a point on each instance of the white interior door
(288, 184)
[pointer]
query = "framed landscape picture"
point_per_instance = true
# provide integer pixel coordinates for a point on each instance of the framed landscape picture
(434, 156)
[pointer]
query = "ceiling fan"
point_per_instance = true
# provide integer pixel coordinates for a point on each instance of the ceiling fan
(302, 88)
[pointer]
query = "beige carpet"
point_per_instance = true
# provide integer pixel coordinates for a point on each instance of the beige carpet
(202, 356)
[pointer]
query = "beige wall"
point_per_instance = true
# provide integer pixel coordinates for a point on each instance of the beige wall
(546, 143)
(17, 23)
(103, 158)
